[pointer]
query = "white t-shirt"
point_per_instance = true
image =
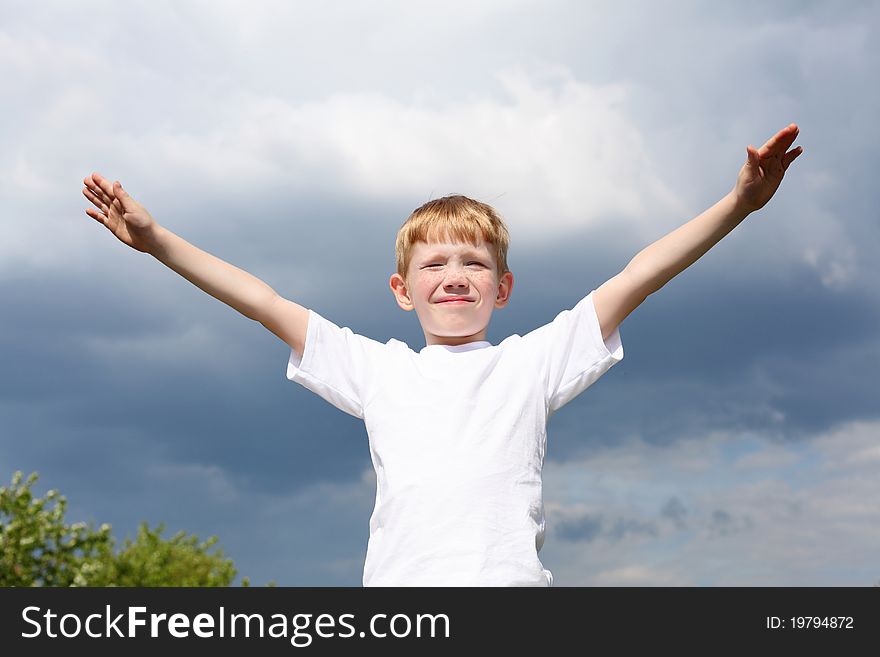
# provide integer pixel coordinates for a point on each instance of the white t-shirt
(457, 437)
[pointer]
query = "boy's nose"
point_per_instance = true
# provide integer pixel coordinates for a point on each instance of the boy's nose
(455, 278)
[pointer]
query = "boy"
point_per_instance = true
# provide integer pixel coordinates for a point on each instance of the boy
(457, 431)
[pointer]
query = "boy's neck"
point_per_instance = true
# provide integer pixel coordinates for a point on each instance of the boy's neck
(454, 340)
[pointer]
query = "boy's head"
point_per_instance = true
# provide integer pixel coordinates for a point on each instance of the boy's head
(452, 247)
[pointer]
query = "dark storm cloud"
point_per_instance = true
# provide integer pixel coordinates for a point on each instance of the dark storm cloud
(589, 527)
(585, 528)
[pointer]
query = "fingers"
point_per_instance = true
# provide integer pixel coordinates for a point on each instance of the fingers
(779, 143)
(93, 184)
(753, 160)
(103, 184)
(791, 156)
(94, 214)
(97, 201)
(122, 197)
(104, 194)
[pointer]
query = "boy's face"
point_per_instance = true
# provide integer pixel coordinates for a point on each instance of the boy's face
(442, 270)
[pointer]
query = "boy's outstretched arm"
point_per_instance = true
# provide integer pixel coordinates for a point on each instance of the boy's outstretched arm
(660, 262)
(130, 222)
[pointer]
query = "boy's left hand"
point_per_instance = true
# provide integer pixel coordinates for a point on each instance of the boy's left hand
(760, 176)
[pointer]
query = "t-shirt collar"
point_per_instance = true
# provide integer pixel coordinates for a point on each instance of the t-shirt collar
(467, 346)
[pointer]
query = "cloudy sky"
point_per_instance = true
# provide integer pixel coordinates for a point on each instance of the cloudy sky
(737, 443)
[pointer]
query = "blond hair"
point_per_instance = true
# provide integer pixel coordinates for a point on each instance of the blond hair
(453, 218)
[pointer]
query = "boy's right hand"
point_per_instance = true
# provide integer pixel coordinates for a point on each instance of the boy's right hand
(127, 219)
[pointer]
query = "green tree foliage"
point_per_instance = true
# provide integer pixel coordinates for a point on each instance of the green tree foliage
(37, 548)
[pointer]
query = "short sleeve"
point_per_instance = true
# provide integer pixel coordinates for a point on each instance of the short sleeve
(572, 352)
(335, 364)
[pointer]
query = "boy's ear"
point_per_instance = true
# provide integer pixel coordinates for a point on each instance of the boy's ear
(400, 292)
(505, 287)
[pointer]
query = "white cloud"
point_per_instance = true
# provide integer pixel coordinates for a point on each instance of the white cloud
(560, 157)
